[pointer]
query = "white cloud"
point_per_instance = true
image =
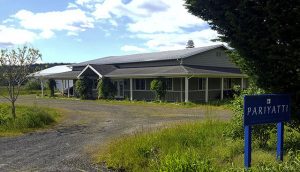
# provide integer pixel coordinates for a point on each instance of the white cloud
(12, 36)
(74, 20)
(162, 24)
(72, 5)
(70, 33)
(47, 34)
(149, 16)
(172, 41)
(131, 48)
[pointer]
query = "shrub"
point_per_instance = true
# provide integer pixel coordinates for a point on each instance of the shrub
(27, 117)
(261, 133)
(106, 88)
(83, 88)
(33, 84)
(5, 117)
(34, 118)
(159, 86)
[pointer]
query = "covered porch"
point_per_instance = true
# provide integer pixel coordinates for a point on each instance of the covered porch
(181, 89)
(184, 83)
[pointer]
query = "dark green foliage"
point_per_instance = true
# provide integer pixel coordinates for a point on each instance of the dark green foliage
(106, 89)
(51, 85)
(266, 38)
(33, 85)
(159, 86)
(261, 133)
(81, 88)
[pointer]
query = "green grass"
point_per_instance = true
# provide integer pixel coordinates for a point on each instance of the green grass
(23, 91)
(196, 146)
(216, 103)
(29, 118)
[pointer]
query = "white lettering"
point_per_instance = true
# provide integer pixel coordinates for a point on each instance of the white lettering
(278, 108)
(269, 108)
(260, 110)
(249, 110)
(273, 109)
(254, 111)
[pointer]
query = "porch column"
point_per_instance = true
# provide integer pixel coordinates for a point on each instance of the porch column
(68, 88)
(62, 87)
(42, 88)
(131, 87)
(181, 90)
(73, 88)
(186, 89)
(242, 83)
(222, 88)
(206, 90)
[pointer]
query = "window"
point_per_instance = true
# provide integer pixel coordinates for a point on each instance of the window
(200, 84)
(169, 84)
(218, 53)
(227, 83)
(140, 84)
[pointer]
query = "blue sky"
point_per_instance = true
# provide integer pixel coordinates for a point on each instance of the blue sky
(80, 30)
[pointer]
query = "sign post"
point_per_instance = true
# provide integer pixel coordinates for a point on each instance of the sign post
(264, 109)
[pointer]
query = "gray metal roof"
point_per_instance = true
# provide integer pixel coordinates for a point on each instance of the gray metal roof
(64, 75)
(156, 56)
(173, 71)
(104, 69)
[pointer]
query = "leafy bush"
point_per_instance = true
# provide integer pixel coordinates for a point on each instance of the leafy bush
(83, 88)
(33, 84)
(159, 86)
(27, 117)
(106, 88)
(34, 118)
(261, 133)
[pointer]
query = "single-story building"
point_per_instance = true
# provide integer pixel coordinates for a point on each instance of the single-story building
(191, 74)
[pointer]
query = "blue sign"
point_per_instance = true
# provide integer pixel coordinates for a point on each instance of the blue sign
(267, 108)
(263, 109)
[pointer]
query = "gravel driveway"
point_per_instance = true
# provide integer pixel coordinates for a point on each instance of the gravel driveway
(86, 125)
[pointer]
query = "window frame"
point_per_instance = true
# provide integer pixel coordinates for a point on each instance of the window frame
(139, 80)
(171, 80)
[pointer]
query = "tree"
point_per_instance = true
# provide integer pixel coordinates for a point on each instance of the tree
(15, 67)
(81, 88)
(160, 88)
(190, 44)
(106, 88)
(265, 36)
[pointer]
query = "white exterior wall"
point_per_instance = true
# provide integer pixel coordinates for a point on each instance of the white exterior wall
(59, 84)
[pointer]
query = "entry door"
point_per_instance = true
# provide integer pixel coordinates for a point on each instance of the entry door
(120, 88)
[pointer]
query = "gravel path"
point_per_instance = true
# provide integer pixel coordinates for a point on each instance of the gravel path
(67, 146)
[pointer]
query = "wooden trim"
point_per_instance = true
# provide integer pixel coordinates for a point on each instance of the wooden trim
(93, 69)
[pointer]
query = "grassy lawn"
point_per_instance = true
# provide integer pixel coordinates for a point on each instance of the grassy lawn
(29, 118)
(23, 91)
(193, 146)
(168, 104)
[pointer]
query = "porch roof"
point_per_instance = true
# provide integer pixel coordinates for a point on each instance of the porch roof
(64, 75)
(167, 71)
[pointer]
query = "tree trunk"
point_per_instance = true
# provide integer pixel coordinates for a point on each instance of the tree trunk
(13, 109)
